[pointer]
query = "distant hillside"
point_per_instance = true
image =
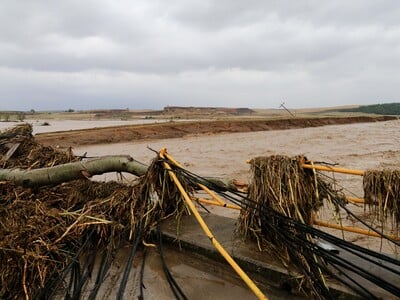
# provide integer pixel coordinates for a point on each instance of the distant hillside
(379, 109)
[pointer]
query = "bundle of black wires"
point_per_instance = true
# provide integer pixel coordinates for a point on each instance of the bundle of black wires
(356, 267)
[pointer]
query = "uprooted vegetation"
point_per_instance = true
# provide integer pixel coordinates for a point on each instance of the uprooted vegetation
(281, 187)
(382, 195)
(46, 230)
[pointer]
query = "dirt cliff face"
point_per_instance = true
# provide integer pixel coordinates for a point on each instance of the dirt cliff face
(180, 129)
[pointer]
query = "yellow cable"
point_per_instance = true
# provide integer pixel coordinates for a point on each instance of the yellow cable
(353, 229)
(211, 202)
(203, 187)
(215, 197)
(355, 200)
(209, 234)
(307, 165)
(333, 169)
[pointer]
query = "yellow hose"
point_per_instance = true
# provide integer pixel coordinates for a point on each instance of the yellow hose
(211, 202)
(333, 169)
(209, 234)
(353, 229)
(306, 165)
(215, 197)
(355, 200)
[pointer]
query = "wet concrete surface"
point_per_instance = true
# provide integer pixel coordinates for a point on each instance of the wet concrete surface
(198, 276)
(202, 273)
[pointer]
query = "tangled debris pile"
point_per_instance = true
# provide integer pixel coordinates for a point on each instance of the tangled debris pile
(281, 185)
(280, 182)
(382, 194)
(278, 212)
(46, 231)
(19, 149)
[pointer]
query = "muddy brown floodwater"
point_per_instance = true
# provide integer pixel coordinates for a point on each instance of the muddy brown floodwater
(358, 146)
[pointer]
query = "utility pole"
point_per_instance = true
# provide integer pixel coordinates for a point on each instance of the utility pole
(284, 107)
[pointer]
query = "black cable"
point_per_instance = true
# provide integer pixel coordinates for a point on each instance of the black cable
(88, 268)
(217, 188)
(141, 295)
(358, 288)
(340, 242)
(202, 206)
(105, 265)
(347, 264)
(305, 228)
(52, 286)
(266, 210)
(368, 226)
(295, 240)
(128, 266)
(176, 290)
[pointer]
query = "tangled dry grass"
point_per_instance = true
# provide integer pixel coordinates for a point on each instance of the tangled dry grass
(46, 229)
(281, 184)
(27, 152)
(281, 191)
(382, 194)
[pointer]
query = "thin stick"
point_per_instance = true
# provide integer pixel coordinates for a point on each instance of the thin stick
(24, 279)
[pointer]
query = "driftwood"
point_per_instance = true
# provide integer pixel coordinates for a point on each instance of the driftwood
(85, 169)
(10, 152)
(71, 171)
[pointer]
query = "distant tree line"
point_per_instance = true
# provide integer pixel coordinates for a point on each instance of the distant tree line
(379, 109)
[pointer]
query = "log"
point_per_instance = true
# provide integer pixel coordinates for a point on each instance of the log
(85, 169)
(72, 171)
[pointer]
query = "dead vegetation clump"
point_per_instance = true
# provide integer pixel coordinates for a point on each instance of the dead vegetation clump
(19, 149)
(50, 235)
(281, 193)
(382, 194)
(281, 184)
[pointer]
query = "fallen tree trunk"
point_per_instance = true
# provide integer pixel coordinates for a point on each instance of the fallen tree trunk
(71, 171)
(85, 169)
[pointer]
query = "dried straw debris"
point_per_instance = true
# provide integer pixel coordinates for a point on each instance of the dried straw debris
(280, 183)
(281, 192)
(46, 230)
(382, 194)
(29, 154)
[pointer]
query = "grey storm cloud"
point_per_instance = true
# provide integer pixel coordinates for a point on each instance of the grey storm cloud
(148, 54)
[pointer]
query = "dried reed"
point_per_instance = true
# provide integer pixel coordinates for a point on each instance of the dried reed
(29, 153)
(46, 230)
(281, 187)
(382, 194)
(280, 183)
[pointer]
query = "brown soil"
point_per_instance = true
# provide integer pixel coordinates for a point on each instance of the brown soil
(119, 134)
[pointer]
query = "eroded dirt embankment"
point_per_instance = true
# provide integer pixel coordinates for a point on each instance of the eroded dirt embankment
(180, 129)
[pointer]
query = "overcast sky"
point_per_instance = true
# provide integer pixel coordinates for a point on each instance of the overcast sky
(149, 54)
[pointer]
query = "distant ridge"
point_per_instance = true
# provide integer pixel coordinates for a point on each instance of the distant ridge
(221, 110)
